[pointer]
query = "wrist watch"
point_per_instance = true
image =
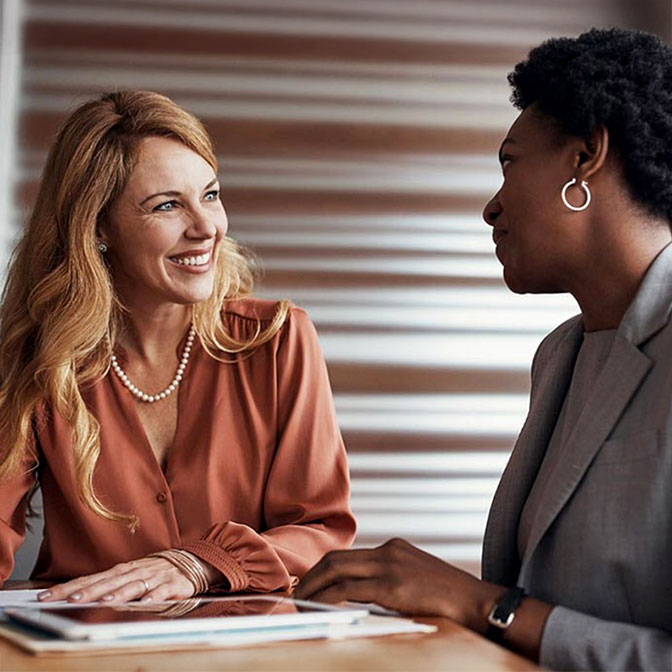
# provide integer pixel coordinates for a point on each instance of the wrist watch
(503, 613)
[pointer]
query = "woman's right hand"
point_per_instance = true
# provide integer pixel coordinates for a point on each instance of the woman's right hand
(148, 579)
(401, 577)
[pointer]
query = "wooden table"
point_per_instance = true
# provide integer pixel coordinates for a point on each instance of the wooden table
(451, 648)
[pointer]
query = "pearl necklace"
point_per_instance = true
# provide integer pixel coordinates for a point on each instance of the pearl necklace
(151, 398)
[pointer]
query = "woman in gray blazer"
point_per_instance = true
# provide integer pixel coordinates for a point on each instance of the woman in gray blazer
(577, 557)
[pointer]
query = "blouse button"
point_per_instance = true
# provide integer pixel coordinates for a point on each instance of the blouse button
(162, 497)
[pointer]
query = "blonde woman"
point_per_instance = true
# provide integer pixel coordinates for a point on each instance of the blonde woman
(182, 431)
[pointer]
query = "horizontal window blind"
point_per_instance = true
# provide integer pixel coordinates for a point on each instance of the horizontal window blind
(357, 141)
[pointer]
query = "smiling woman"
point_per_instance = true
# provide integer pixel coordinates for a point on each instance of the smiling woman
(163, 229)
(163, 410)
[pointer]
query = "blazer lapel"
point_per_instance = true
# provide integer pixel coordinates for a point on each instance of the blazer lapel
(501, 561)
(622, 375)
(620, 378)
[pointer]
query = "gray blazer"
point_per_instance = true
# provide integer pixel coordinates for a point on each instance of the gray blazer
(602, 551)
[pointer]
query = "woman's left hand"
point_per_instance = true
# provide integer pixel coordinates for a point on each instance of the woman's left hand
(403, 578)
(148, 579)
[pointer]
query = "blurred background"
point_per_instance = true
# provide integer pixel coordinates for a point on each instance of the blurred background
(357, 144)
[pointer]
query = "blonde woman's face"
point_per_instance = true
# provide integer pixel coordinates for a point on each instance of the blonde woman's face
(162, 233)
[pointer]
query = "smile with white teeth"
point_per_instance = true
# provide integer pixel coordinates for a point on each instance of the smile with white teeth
(197, 260)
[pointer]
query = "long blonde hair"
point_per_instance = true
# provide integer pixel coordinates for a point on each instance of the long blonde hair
(60, 314)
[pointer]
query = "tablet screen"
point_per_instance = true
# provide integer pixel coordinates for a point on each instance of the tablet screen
(193, 615)
(134, 612)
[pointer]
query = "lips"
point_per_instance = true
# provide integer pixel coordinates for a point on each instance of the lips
(497, 235)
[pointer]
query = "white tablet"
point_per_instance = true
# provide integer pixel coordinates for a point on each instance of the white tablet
(135, 619)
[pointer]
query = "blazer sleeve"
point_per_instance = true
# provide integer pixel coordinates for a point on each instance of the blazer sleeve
(575, 641)
(14, 494)
(306, 499)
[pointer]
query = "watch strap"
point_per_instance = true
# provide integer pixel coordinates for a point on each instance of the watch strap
(503, 613)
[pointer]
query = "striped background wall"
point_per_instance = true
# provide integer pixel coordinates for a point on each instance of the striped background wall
(357, 143)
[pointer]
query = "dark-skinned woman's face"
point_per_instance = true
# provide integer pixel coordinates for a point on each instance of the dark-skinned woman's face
(531, 226)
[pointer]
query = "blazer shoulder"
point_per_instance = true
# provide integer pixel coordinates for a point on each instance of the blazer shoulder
(551, 341)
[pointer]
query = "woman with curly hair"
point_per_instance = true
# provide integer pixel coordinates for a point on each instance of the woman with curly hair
(576, 558)
(182, 431)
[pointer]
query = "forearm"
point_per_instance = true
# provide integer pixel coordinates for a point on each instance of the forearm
(266, 561)
(561, 638)
(525, 632)
(246, 558)
(404, 578)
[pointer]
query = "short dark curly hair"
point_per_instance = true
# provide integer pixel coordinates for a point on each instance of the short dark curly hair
(619, 78)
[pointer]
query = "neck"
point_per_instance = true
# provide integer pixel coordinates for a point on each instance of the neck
(611, 280)
(153, 335)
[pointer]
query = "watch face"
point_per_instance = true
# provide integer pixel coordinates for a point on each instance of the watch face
(501, 617)
(504, 611)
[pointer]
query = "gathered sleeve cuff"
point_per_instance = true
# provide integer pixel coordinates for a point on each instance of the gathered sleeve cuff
(222, 560)
(243, 556)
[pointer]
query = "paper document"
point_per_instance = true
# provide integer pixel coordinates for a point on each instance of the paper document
(283, 620)
(22, 598)
(44, 644)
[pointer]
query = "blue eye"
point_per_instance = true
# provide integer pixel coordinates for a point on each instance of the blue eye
(212, 195)
(165, 207)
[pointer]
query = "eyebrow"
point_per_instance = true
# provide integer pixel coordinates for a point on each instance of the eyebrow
(511, 141)
(176, 193)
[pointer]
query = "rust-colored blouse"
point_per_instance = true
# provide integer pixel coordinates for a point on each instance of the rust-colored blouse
(256, 483)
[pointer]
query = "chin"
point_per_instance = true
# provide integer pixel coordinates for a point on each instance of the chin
(519, 284)
(192, 295)
(514, 282)
(193, 298)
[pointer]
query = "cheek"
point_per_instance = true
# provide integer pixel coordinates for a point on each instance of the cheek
(221, 222)
(531, 209)
(151, 251)
(146, 251)
(532, 196)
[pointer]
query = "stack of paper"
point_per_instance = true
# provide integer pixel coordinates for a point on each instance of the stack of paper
(188, 624)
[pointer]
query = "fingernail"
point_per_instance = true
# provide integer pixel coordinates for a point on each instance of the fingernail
(107, 598)
(75, 596)
(44, 595)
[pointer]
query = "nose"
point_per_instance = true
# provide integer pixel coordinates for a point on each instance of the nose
(492, 210)
(202, 225)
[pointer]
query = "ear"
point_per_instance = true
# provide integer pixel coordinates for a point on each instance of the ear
(591, 153)
(101, 231)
